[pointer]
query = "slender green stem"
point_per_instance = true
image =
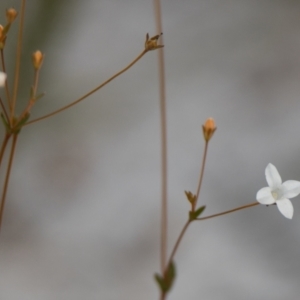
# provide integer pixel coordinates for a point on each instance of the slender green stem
(201, 174)
(18, 62)
(3, 198)
(228, 211)
(3, 146)
(91, 92)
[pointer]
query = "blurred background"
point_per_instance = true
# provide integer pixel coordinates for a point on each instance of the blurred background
(83, 208)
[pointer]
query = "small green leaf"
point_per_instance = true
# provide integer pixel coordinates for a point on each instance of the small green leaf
(171, 274)
(161, 283)
(195, 214)
(165, 283)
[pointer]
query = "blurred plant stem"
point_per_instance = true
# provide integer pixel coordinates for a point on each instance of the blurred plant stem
(163, 126)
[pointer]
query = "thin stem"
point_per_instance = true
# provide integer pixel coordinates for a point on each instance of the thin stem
(12, 152)
(35, 81)
(228, 211)
(4, 110)
(33, 96)
(3, 146)
(18, 61)
(6, 82)
(201, 173)
(185, 227)
(163, 124)
(163, 294)
(91, 92)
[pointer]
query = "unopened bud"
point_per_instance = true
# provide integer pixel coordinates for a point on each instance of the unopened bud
(151, 44)
(37, 59)
(209, 128)
(1, 31)
(2, 79)
(191, 197)
(11, 15)
(2, 37)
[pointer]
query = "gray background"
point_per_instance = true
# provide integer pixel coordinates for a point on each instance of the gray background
(82, 214)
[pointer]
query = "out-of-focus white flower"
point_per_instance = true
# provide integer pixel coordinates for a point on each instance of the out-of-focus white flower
(2, 79)
(278, 192)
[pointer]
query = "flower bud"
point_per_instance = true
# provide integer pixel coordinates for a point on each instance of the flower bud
(151, 44)
(191, 197)
(209, 128)
(2, 37)
(37, 59)
(11, 15)
(2, 79)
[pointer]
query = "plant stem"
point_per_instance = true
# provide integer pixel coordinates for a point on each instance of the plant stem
(12, 152)
(18, 62)
(3, 146)
(4, 110)
(163, 295)
(185, 227)
(163, 124)
(32, 100)
(91, 92)
(201, 174)
(228, 211)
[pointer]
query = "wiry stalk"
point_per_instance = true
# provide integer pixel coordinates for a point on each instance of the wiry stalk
(5, 187)
(3, 146)
(18, 62)
(91, 92)
(228, 211)
(164, 162)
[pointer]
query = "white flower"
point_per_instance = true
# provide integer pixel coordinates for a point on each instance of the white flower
(2, 79)
(278, 192)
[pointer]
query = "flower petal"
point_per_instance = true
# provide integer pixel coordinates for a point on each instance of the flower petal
(285, 206)
(291, 188)
(264, 196)
(2, 79)
(272, 176)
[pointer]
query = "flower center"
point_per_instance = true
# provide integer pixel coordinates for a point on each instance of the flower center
(277, 194)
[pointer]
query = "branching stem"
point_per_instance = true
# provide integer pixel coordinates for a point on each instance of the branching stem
(91, 92)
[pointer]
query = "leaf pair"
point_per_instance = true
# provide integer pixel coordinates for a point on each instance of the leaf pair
(165, 282)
